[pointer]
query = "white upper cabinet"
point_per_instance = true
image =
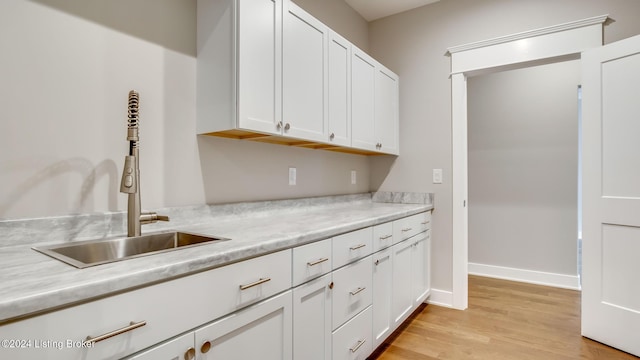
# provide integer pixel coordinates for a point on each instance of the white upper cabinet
(269, 71)
(304, 75)
(339, 90)
(363, 78)
(239, 65)
(374, 108)
(386, 110)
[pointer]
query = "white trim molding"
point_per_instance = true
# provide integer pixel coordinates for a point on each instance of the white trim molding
(440, 298)
(535, 45)
(541, 46)
(528, 276)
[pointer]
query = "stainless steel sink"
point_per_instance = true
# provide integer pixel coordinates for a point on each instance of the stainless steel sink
(82, 254)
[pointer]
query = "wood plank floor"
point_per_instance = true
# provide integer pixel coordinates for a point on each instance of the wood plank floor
(505, 320)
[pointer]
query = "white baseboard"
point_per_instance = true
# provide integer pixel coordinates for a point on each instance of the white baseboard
(441, 298)
(527, 276)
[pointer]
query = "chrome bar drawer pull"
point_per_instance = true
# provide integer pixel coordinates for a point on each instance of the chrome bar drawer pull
(357, 247)
(358, 345)
(319, 261)
(406, 229)
(132, 326)
(385, 237)
(356, 291)
(425, 222)
(261, 281)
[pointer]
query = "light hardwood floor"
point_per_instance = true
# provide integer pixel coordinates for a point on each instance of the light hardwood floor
(505, 320)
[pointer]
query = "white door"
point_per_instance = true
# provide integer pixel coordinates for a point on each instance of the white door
(611, 195)
(304, 74)
(261, 331)
(386, 110)
(363, 77)
(312, 320)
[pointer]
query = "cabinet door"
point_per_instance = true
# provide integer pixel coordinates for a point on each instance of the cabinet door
(304, 82)
(259, 60)
(421, 267)
(363, 75)
(386, 110)
(339, 122)
(312, 320)
(180, 348)
(382, 291)
(402, 298)
(262, 331)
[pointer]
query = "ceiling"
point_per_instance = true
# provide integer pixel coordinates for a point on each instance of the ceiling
(376, 9)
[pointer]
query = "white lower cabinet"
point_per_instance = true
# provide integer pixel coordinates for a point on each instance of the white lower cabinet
(352, 341)
(339, 302)
(421, 262)
(351, 290)
(312, 319)
(382, 291)
(262, 331)
(402, 296)
(176, 349)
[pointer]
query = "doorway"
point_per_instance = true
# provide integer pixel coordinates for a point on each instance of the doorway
(523, 174)
(541, 46)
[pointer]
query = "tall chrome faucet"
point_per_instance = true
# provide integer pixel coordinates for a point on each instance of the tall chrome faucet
(130, 183)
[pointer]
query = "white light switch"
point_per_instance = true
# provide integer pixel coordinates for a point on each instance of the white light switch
(353, 177)
(437, 176)
(292, 176)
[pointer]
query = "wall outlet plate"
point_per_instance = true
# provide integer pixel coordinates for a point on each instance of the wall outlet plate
(437, 176)
(292, 176)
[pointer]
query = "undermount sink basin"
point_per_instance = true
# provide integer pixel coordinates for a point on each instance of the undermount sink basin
(82, 254)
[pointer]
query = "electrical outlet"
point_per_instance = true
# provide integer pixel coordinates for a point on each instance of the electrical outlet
(292, 176)
(353, 177)
(437, 176)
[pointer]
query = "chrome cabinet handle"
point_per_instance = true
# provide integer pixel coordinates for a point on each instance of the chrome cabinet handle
(357, 247)
(332, 136)
(356, 291)
(385, 237)
(279, 125)
(406, 229)
(256, 283)
(319, 261)
(287, 126)
(190, 354)
(358, 345)
(424, 222)
(132, 326)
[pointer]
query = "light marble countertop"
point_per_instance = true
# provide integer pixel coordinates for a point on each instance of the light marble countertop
(34, 283)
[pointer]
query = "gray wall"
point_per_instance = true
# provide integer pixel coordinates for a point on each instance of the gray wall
(413, 45)
(66, 70)
(523, 168)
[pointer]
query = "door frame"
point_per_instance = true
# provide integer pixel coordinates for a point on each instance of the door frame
(530, 48)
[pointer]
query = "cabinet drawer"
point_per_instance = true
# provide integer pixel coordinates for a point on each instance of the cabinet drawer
(407, 227)
(311, 261)
(351, 290)
(352, 246)
(353, 340)
(238, 285)
(382, 236)
(148, 315)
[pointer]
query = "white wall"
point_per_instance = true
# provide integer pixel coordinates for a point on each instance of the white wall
(523, 168)
(413, 45)
(66, 70)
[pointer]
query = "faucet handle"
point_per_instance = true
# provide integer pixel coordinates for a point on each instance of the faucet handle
(129, 183)
(152, 217)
